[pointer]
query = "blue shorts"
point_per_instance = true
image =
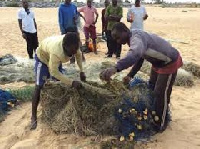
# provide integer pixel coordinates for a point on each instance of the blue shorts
(42, 72)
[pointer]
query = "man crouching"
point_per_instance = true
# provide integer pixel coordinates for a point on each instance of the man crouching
(50, 55)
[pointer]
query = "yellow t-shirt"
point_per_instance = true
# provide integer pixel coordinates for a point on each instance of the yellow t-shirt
(51, 53)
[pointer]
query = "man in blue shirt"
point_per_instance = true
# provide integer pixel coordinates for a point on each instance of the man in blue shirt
(67, 15)
(67, 18)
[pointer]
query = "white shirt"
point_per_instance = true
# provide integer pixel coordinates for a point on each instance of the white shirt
(27, 20)
(139, 13)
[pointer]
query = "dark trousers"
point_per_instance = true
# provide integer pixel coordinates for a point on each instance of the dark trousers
(32, 43)
(162, 90)
(113, 46)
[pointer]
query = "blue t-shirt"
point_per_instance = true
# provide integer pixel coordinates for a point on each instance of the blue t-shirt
(66, 14)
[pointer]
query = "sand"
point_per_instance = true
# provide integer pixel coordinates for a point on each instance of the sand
(181, 28)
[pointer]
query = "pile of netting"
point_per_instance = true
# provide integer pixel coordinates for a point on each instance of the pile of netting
(100, 109)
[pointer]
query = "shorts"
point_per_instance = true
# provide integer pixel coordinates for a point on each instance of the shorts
(90, 32)
(42, 72)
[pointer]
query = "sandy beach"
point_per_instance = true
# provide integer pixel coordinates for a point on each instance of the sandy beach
(180, 26)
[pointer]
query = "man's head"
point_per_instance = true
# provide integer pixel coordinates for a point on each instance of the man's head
(107, 3)
(25, 4)
(120, 33)
(67, 2)
(89, 3)
(114, 2)
(137, 3)
(71, 43)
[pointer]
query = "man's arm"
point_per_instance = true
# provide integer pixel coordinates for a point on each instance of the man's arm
(60, 20)
(133, 56)
(81, 16)
(103, 16)
(81, 9)
(54, 63)
(97, 15)
(35, 24)
(136, 68)
(107, 14)
(78, 56)
(20, 26)
(145, 17)
(145, 12)
(130, 16)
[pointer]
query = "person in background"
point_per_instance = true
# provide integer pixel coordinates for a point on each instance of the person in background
(67, 15)
(103, 20)
(52, 52)
(165, 60)
(68, 19)
(113, 15)
(89, 12)
(28, 27)
(136, 15)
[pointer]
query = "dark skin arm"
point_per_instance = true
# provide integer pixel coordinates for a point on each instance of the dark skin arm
(35, 24)
(82, 16)
(97, 15)
(20, 26)
(133, 71)
(136, 68)
(114, 18)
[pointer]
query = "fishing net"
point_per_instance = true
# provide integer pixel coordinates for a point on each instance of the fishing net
(184, 78)
(23, 94)
(193, 68)
(99, 109)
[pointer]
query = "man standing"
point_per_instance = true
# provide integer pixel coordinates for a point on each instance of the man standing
(50, 55)
(165, 60)
(103, 19)
(28, 27)
(113, 15)
(67, 18)
(136, 15)
(67, 15)
(90, 21)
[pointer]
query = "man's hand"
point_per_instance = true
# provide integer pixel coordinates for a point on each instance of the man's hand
(77, 84)
(126, 80)
(24, 36)
(82, 76)
(106, 74)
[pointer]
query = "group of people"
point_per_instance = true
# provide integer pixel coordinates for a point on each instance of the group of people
(54, 51)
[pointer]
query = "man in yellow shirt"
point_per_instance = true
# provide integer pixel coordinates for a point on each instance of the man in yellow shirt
(50, 55)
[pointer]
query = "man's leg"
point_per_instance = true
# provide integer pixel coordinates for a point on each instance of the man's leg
(83, 57)
(153, 79)
(107, 41)
(29, 45)
(94, 37)
(87, 37)
(118, 50)
(109, 44)
(35, 41)
(42, 73)
(35, 102)
(162, 89)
